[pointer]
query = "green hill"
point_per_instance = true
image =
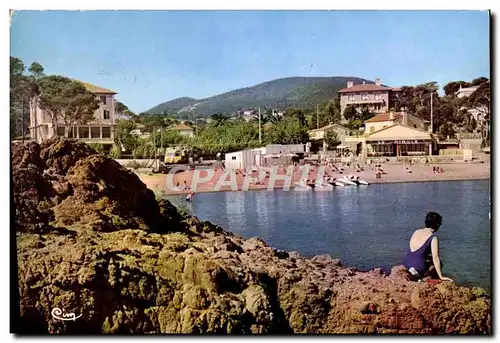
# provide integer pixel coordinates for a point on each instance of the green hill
(299, 92)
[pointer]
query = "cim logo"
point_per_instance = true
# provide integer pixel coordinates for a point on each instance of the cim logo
(57, 313)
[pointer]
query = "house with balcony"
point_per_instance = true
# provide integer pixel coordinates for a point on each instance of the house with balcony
(99, 130)
(376, 97)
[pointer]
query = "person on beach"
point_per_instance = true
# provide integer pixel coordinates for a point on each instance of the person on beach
(422, 259)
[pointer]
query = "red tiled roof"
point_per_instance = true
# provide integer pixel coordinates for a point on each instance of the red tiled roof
(366, 88)
(383, 117)
(95, 89)
(181, 127)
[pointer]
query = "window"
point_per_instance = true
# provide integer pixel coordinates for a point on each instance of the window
(106, 114)
(350, 97)
(95, 132)
(103, 99)
(106, 132)
(364, 96)
(83, 132)
(377, 96)
(233, 158)
(60, 131)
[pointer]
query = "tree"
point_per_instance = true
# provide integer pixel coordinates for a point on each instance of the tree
(297, 114)
(219, 119)
(23, 93)
(331, 139)
(351, 114)
(63, 98)
(480, 100)
(479, 81)
(152, 122)
(452, 87)
(287, 131)
(123, 138)
(122, 109)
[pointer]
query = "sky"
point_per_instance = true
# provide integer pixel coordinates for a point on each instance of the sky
(150, 57)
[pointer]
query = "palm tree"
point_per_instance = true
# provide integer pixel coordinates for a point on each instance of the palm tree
(219, 119)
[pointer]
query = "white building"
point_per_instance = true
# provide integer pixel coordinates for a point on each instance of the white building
(98, 130)
(242, 159)
(464, 92)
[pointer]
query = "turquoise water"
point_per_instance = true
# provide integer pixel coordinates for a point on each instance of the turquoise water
(365, 227)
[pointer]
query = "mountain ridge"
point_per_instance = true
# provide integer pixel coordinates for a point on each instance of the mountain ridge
(295, 91)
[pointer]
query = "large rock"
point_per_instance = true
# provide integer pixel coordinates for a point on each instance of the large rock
(144, 269)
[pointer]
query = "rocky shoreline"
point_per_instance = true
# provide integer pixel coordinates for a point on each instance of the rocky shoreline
(92, 240)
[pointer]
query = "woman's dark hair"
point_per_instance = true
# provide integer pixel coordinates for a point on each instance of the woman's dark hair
(433, 220)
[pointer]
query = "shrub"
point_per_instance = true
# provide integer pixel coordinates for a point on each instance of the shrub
(115, 152)
(98, 147)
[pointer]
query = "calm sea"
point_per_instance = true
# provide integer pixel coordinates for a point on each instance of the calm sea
(366, 226)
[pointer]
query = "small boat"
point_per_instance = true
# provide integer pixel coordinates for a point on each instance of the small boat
(323, 187)
(346, 181)
(334, 182)
(302, 187)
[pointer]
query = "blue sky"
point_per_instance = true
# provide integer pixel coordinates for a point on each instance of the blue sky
(149, 57)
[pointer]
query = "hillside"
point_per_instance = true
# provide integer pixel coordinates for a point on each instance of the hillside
(297, 92)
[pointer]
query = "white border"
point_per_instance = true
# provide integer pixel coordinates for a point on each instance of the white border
(194, 4)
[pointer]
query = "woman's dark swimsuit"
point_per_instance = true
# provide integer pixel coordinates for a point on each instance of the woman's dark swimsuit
(420, 259)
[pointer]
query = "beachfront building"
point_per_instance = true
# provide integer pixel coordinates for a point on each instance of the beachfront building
(317, 136)
(183, 129)
(398, 140)
(269, 155)
(320, 133)
(383, 120)
(99, 130)
(242, 159)
(375, 97)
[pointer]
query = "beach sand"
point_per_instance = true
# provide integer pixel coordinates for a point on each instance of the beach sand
(392, 173)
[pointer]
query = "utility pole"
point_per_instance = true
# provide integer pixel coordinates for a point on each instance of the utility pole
(260, 131)
(432, 117)
(22, 121)
(154, 146)
(317, 116)
(161, 140)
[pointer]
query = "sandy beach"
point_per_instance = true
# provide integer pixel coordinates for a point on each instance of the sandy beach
(392, 173)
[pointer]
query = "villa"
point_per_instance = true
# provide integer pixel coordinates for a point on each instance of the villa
(375, 97)
(99, 130)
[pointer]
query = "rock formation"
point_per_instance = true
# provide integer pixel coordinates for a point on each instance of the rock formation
(93, 241)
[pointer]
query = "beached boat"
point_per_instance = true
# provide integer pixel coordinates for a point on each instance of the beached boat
(335, 183)
(302, 187)
(323, 187)
(361, 182)
(346, 181)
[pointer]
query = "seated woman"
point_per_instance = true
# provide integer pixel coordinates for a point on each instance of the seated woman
(422, 258)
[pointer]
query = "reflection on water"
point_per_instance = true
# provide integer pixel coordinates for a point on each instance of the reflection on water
(365, 227)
